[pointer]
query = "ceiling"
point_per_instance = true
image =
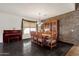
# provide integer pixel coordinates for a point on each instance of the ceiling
(37, 10)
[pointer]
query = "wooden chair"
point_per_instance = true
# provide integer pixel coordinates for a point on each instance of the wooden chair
(51, 40)
(34, 37)
(31, 33)
(40, 39)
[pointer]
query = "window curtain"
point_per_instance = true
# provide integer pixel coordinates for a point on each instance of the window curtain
(27, 24)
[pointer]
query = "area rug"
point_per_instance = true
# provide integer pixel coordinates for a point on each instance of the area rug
(60, 50)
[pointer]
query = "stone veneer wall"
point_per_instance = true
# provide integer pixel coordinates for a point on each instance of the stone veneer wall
(69, 27)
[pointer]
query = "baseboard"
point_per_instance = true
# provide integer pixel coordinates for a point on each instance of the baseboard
(1, 44)
(65, 42)
(26, 38)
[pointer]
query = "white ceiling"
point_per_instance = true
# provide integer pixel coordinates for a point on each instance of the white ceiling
(32, 10)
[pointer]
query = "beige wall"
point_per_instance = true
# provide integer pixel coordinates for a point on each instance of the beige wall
(8, 22)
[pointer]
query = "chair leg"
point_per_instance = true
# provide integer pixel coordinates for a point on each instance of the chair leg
(41, 45)
(51, 47)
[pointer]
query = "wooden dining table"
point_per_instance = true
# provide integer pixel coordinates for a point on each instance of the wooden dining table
(45, 35)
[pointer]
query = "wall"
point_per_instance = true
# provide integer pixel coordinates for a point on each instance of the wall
(69, 27)
(7, 22)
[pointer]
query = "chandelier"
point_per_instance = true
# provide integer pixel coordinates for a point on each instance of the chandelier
(39, 21)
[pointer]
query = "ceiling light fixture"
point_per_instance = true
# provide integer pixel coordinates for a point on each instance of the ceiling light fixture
(39, 20)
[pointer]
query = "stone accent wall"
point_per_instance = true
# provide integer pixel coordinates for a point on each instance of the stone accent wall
(69, 27)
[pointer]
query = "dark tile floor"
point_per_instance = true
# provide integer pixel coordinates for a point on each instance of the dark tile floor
(26, 48)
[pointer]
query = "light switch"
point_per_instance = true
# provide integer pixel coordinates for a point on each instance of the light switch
(72, 30)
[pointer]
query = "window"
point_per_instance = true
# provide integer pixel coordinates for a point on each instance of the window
(32, 29)
(27, 30)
